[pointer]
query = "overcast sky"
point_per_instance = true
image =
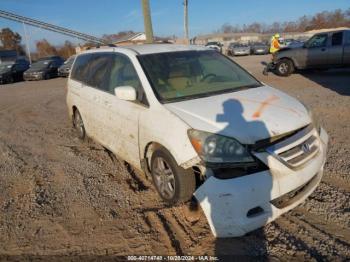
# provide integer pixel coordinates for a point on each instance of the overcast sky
(111, 16)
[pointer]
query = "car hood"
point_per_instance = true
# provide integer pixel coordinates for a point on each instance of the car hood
(248, 116)
(241, 48)
(32, 70)
(64, 66)
(2, 73)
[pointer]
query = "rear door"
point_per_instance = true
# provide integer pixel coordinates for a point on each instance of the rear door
(317, 51)
(335, 53)
(79, 92)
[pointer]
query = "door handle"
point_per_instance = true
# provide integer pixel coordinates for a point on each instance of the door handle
(323, 49)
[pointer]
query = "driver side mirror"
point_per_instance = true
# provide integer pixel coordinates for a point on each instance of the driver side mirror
(126, 93)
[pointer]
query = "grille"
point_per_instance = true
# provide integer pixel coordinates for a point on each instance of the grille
(297, 150)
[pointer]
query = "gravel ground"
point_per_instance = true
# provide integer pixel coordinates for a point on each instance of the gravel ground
(60, 196)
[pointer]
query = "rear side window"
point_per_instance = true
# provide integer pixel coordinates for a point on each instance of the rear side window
(80, 71)
(337, 39)
(347, 39)
(99, 71)
(106, 71)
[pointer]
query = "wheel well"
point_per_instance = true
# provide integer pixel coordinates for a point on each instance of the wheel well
(151, 147)
(290, 59)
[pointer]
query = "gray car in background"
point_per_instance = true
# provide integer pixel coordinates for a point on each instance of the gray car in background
(64, 69)
(259, 48)
(322, 51)
(236, 49)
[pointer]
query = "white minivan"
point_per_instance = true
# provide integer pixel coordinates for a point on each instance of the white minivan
(202, 126)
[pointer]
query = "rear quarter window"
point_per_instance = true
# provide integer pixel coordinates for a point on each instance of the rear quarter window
(80, 70)
(347, 40)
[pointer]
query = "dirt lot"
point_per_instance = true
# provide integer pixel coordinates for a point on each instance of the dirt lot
(61, 196)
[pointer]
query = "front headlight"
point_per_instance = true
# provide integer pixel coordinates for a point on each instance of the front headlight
(214, 148)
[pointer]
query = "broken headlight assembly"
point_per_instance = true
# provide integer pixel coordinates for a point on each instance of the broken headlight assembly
(213, 148)
(224, 155)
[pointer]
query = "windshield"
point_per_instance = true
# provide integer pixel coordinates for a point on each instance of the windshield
(5, 67)
(40, 65)
(185, 75)
(258, 44)
(212, 43)
(240, 45)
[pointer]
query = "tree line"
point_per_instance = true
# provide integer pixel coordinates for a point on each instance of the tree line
(13, 41)
(322, 20)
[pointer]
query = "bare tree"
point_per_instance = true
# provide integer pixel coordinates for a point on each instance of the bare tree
(66, 50)
(325, 19)
(44, 48)
(11, 40)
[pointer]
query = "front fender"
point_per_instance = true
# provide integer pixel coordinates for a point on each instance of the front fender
(162, 127)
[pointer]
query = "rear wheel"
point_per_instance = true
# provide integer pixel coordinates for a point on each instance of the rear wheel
(173, 183)
(284, 67)
(79, 125)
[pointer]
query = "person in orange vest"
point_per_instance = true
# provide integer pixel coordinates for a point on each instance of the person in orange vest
(275, 44)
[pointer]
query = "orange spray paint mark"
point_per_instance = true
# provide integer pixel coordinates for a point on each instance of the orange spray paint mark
(263, 105)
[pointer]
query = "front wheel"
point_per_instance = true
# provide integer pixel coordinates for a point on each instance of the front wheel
(284, 67)
(173, 183)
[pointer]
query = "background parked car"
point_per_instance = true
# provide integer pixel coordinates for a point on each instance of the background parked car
(215, 45)
(259, 48)
(7, 56)
(322, 51)
(43, 69)
(64, 69)
(13, 71)
(236, 49)
(56, 58)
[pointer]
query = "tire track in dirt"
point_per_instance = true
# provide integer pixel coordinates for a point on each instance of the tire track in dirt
(315, 239)
(330, 231)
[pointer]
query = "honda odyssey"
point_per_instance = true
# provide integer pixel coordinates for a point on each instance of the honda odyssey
(200, 125)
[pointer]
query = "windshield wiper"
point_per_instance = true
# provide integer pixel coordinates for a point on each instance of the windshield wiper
(201, 95)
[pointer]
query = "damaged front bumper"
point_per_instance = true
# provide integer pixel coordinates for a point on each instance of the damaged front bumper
(234, 207)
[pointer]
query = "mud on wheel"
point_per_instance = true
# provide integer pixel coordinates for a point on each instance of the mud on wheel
(173, 183)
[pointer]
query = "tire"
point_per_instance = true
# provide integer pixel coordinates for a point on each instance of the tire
(46, 77)
(10, 80)
(79, 125)
(284, 67)
(173, 183)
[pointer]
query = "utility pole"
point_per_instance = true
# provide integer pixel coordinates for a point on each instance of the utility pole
(186, 21)
(27, 43)
(147, 21)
